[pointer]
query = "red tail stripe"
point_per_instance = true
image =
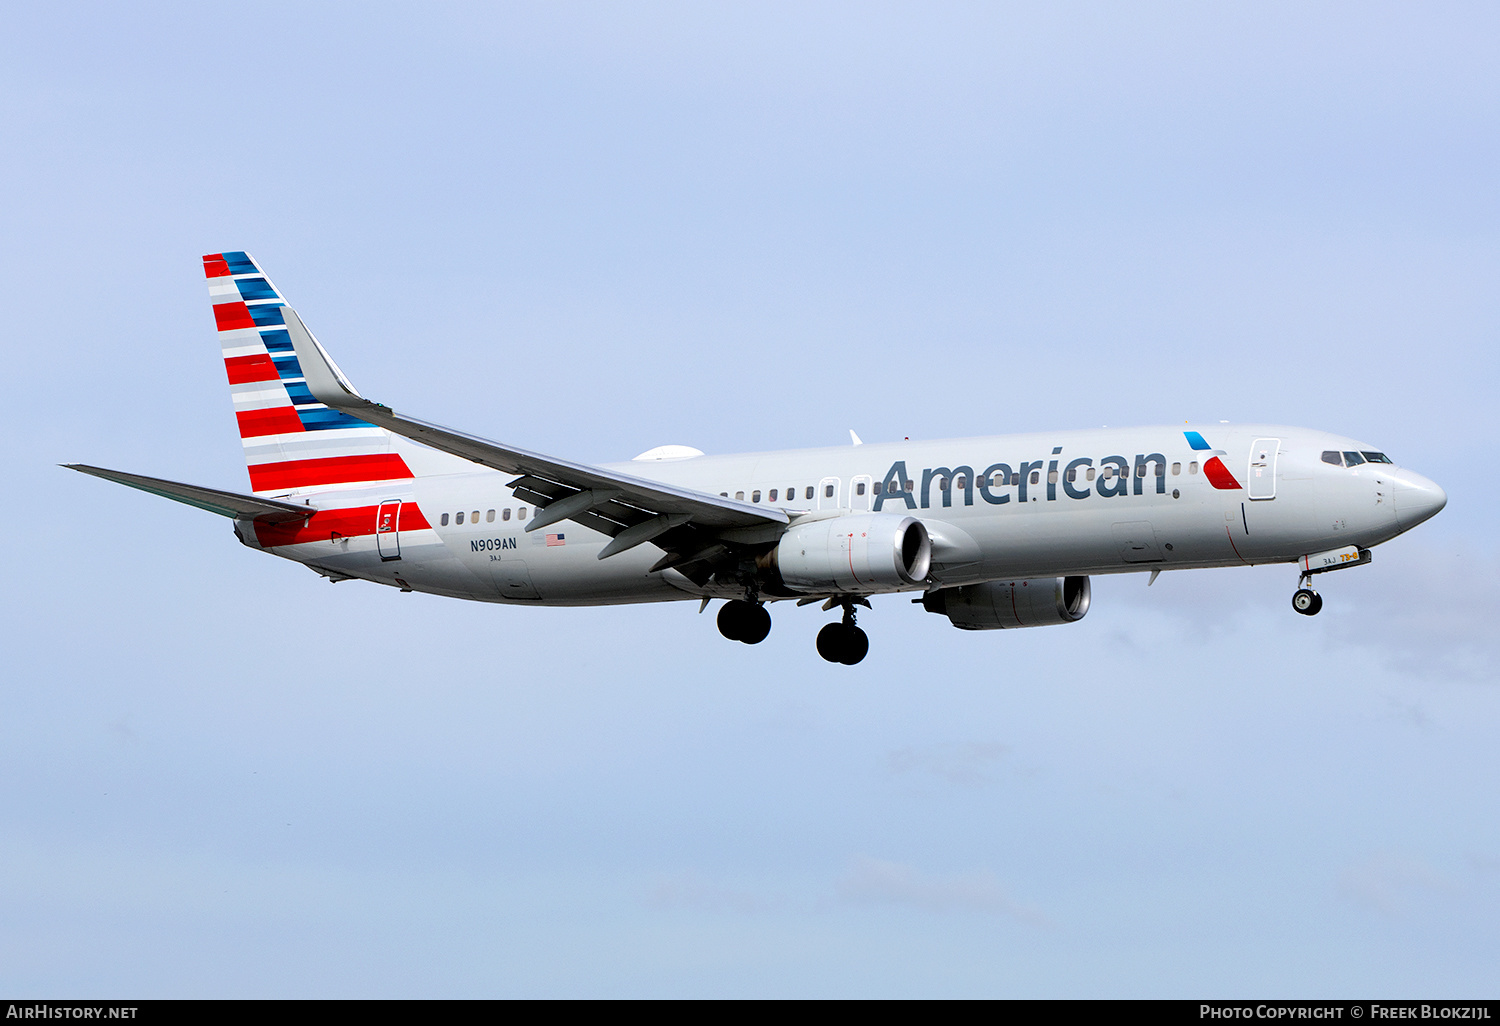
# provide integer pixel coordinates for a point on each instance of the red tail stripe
(230, 316)
(347, 523)
(256, 367)
(273, 477)
(274, 421)
(1218, 475)
(214, 265)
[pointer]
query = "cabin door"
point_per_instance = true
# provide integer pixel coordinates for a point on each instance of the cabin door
(388, 529)
(1263, 455)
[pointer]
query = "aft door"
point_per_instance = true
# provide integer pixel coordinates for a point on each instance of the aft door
(1263, 455)
(388, 529)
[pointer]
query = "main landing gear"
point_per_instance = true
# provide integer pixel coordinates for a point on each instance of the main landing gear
(843, 642)
(1305, 600)
(746, 621)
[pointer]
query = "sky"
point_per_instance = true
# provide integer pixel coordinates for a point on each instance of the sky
(591, 229)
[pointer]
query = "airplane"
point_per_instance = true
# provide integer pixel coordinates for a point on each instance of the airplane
(991, 532)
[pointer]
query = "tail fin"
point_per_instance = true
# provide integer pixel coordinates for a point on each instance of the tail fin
(292, 441)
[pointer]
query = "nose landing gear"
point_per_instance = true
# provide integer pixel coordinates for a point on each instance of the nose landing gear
(843, 642)
(1305, 600)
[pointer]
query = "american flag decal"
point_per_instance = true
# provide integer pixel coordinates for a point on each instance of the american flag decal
(555, 539)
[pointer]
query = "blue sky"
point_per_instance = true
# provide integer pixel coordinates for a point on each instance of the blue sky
(593, 229)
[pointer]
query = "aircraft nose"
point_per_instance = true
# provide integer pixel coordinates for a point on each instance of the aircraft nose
(1416, 499)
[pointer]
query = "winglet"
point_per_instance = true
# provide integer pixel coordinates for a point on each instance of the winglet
(854, 438)
(324, 379)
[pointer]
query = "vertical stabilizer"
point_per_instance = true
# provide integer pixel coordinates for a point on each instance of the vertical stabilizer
(292, 441)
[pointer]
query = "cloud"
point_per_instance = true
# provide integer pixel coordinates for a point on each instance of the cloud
(961, 764)
(875, 881)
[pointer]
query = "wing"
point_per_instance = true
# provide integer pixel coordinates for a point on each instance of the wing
(697, 529)
(226, 504)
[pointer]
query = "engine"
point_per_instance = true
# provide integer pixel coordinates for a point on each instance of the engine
(856, 553)
(997, 604)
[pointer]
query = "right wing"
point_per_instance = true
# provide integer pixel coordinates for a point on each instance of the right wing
(697, 529)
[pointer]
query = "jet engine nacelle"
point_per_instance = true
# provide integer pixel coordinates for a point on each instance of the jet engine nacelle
(856, 553)
(993, 605)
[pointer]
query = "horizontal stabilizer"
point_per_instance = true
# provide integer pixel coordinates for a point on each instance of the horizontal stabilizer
(226, 504)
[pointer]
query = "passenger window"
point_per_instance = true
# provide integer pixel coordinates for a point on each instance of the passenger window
(444, 521)
(1015, 479)
(1161, 470)
(962, 482)
(1072, 474)
(755, 495)
(791, 494)
(1376, 457)
(723, 495)
(1193, 467)
(771, 496)
(740, 496)
(809, 491)
(489, 516)
(1334, 457)
(828, 491)
(1088, 475)
(859, 489)
(998, 481)
(474, 517)
(1109, 472)
(1176, 469)
(1036, 477)
(1052, 477)
(911, 486)
(942, 484)
(505, 513)
(1353, 459)
(521, 513)
(459, 519)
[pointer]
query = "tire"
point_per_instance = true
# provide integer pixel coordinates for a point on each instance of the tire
(831, 642)
(755, 624)
(856, 646)
(1307, 602)
(732, 621)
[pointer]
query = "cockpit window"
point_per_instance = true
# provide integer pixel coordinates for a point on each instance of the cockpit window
(1376, 457)
(1353, 459)
(1333, 456)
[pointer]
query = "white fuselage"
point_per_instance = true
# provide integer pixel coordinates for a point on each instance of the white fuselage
(997, 508)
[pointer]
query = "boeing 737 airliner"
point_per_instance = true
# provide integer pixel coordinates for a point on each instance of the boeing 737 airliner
(990, 532)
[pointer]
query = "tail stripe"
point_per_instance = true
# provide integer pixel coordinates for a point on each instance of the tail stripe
(385, 466)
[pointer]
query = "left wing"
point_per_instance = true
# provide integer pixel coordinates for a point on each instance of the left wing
(692, 526)
(226, 504)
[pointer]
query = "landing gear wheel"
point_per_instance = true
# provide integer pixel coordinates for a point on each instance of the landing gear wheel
(843, 643)
(744, 621)
(756, 625)
(856, 645)
(831, 642)
(1307, 602)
